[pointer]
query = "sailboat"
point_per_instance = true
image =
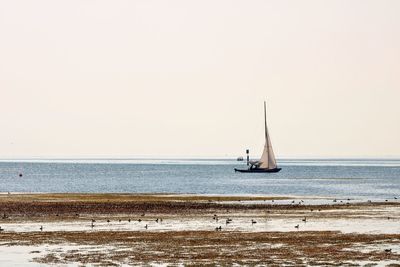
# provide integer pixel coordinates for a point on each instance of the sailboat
(267, 162)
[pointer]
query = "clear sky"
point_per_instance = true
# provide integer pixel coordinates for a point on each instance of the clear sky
(96, 78)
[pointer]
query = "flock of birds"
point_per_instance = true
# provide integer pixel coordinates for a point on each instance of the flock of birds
(216, 218)
(157, 220)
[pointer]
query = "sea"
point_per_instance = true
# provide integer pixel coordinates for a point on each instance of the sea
(374, 179)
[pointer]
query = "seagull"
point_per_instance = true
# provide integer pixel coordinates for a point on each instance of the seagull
(297, 226)
(41, 228)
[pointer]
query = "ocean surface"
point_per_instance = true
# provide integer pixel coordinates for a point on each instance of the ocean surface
(341, 178)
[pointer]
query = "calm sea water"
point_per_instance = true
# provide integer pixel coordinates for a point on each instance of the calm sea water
(372, 179)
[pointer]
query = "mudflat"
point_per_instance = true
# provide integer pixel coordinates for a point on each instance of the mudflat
(116, 229)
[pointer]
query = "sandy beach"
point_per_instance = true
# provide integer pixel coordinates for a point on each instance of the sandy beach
(116, 229)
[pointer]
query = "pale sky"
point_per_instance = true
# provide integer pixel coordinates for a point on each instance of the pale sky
(183, 78)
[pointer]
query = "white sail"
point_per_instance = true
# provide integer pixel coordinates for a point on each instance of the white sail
(267, 158)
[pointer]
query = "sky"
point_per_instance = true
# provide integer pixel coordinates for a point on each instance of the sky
(184, 78)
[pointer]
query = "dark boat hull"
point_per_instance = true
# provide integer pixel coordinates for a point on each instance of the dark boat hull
(258, 170)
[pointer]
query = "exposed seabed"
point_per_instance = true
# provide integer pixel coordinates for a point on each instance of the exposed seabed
(117, 229)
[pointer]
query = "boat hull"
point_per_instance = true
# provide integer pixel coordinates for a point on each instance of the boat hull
(258, 170)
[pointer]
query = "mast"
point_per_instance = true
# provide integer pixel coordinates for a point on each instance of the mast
(265, 119)
(266, 129)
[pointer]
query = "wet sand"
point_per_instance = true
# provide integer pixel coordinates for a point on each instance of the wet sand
(115, 229)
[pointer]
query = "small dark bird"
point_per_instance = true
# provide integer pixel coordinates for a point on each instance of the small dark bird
(305, 219)
(157, 220)
(139, 220)
(334, 200)
(20, 174)
(41, 228)
(92, 225)
(93, 220)
(129, 220)
(215, 217)
(218, 228)
(108, 221)
(1, 229)
(293, 202)
(146, 226)
(297, 226)
(253, 221)
(395, 197)
(142, 214)
(388, 250)
(119, 220)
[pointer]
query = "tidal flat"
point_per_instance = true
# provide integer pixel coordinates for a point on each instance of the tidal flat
(159, 229)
